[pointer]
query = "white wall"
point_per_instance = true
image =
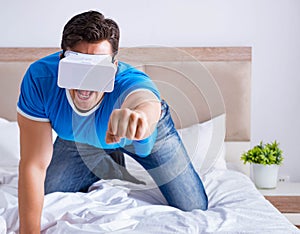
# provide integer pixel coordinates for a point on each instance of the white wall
(271, 27)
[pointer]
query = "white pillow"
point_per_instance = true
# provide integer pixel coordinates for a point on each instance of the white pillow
(205, 144)
(9, 144)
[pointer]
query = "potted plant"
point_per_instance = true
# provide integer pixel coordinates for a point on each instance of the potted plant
(265, 160)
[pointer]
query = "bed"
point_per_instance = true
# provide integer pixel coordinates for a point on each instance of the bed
(208, 90)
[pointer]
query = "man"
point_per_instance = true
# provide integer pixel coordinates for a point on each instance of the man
(95, 127)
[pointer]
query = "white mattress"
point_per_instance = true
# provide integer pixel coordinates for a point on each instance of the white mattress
(235, 206)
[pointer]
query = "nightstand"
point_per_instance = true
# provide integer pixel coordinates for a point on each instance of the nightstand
(286, 198)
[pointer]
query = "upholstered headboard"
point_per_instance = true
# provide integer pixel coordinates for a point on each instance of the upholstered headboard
(199, 83)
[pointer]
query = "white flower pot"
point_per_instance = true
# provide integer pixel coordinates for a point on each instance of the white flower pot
(265, 176)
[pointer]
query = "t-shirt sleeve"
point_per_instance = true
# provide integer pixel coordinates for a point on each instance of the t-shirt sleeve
(30, 103)
(133, 82)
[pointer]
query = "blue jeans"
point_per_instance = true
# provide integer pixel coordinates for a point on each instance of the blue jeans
(75, 166)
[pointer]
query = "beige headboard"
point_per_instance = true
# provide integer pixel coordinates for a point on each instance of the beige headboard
(198, 83)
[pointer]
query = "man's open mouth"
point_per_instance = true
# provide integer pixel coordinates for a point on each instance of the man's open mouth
(84, 94)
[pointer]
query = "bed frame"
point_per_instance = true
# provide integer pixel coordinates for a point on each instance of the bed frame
(205, 81)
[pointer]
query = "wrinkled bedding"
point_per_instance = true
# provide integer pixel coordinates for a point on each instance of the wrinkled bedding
(114, 206)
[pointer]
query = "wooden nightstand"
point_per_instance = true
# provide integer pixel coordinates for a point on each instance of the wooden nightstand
(286, 198)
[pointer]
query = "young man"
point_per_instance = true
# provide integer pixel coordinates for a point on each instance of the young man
(94, 127)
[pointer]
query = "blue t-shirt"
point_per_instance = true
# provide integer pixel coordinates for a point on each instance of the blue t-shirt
(42, 100)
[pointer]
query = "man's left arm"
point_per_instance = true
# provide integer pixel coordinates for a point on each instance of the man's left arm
(136, 119)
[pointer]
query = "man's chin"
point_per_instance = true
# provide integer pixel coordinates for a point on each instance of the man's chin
(83, 109)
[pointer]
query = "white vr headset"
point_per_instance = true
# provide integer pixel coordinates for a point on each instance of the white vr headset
(86, 72)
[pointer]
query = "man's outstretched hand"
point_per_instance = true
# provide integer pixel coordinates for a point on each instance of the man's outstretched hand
(131, 124)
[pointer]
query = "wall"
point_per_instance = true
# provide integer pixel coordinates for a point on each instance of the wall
(271, 27)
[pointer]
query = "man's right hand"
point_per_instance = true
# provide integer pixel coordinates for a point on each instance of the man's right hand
(36, 152)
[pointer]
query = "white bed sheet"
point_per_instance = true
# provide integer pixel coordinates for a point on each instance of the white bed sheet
(114, 206)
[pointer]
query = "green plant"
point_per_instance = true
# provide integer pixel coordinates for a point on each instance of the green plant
(266, 154)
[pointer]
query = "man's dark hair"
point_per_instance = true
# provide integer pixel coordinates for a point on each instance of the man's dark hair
(91, 27)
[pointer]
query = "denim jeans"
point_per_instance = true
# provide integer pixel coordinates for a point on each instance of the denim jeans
(75, 166)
